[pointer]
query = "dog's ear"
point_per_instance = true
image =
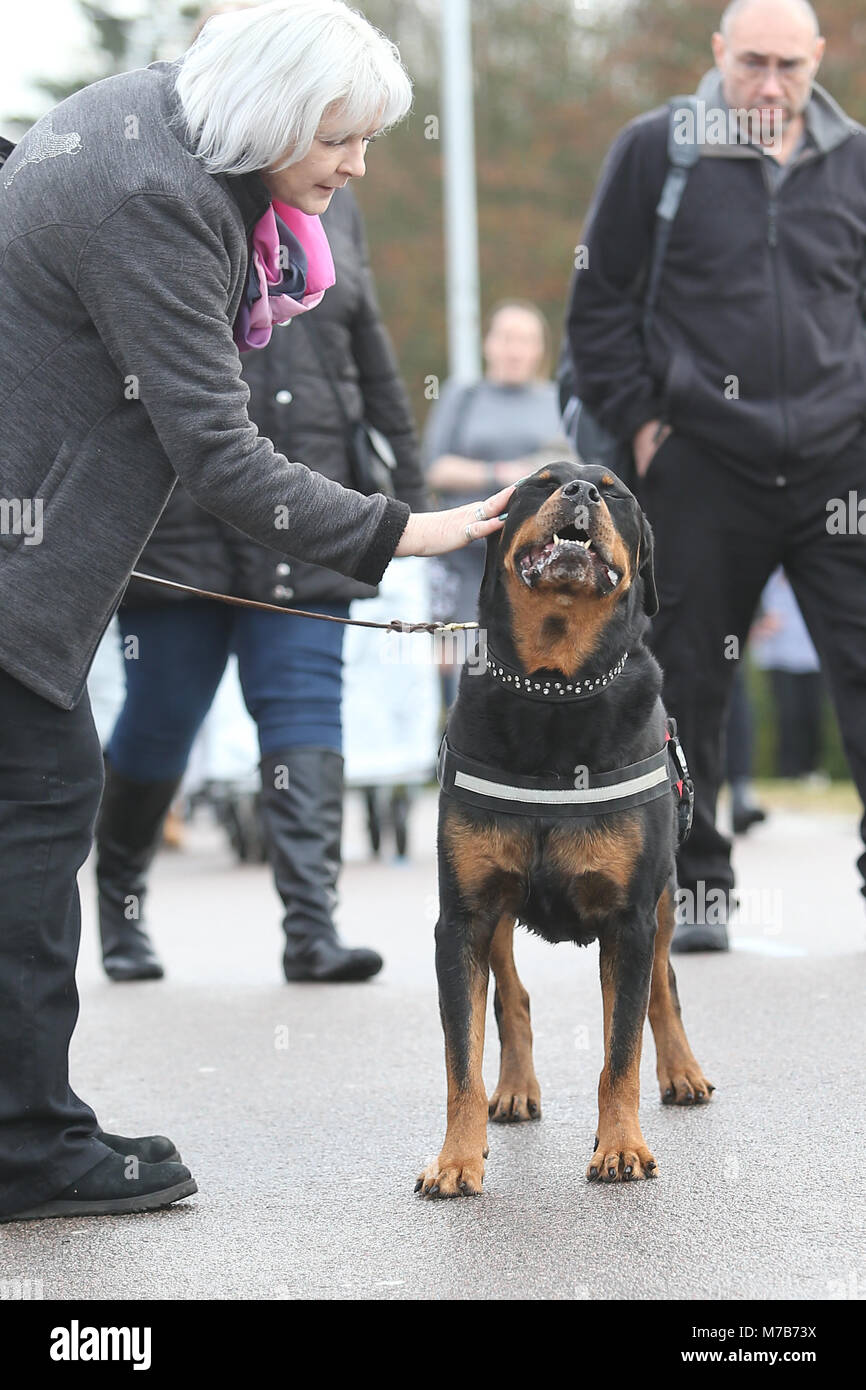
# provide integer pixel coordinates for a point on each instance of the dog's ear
(645, 569)
(491, 569)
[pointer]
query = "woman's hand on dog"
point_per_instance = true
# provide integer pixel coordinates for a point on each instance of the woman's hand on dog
(435, 533)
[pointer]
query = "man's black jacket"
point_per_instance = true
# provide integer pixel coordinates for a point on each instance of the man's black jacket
(292, 404)
(757, 347)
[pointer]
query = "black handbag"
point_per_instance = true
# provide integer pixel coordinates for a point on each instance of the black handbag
(372, 461)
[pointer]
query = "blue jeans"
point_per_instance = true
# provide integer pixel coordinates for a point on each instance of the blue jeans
(290, 670)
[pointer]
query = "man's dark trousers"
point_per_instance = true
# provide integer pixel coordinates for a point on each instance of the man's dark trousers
(720, 530)
(50, 786)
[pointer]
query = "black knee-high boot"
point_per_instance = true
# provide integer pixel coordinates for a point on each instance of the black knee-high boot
(127, 835)
(302, 801)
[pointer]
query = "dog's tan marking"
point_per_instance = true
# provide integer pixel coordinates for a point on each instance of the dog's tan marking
(599, 862)
(681, 1079)
(517, 1095)
(584, 625)
(611, 851)
(586, 614)
(477, 855)
(621, 1153)
(459, 1169)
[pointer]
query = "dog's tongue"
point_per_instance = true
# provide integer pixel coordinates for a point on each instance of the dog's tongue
(542, 552)
(535, 555)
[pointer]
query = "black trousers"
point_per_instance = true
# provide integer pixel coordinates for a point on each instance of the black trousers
(718, 537)
(50, 785)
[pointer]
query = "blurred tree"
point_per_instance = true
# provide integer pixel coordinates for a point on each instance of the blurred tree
(663, 47)
(537, 157)
(554, 81)
(122, 41)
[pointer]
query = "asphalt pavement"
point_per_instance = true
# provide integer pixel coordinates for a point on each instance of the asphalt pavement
(306, 1111)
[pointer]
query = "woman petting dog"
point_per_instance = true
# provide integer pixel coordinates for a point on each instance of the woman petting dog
(151, 226)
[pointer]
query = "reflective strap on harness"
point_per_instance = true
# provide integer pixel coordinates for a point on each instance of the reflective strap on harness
(587, 794)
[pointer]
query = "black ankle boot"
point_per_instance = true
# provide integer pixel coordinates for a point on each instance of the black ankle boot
(148, 1148)
(702, 919)
(116, 1186)
(127, 836)
(302, 804)
(745, 811)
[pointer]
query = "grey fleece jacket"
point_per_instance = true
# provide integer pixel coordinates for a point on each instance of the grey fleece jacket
(122, 265)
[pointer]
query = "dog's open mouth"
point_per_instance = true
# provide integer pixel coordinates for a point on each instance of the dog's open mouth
(570, 555)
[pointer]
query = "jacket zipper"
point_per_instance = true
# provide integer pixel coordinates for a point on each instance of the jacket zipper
(773, 243)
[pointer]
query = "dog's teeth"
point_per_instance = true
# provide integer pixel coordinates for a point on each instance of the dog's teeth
(556, 540)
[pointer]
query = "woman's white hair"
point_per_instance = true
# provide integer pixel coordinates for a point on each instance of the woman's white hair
(256, 83)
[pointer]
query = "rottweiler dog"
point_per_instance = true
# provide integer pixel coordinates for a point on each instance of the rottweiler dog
(560, 809)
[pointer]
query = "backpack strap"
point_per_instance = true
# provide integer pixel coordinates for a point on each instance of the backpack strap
(683, 155)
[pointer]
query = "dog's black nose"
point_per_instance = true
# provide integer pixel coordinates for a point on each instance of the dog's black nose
(581, 491)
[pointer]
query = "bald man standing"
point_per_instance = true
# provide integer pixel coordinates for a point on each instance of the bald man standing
(745, 398)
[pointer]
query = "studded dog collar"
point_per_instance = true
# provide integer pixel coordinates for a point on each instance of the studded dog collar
(549, 690)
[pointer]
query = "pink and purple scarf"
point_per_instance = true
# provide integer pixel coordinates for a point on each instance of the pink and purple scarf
(282, 282)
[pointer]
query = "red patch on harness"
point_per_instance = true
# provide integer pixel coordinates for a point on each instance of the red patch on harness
(679, 784)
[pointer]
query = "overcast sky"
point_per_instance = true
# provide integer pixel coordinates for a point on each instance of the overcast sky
(41, 38)
(51, 38)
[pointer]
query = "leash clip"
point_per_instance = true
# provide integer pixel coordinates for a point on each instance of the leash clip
(682, 783)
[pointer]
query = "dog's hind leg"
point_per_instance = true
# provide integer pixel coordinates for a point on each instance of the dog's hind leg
(625, 961)
(517, 1095)
(462, 969)
(681, 1079)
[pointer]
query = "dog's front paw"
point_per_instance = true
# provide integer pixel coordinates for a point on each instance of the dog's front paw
(449, 1176)
(682, 1082)
(622, 1161)
(510, 1104)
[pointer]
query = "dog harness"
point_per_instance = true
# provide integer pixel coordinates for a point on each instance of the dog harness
(586, 794)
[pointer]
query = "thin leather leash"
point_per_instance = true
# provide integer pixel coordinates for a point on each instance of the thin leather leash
(395, 625)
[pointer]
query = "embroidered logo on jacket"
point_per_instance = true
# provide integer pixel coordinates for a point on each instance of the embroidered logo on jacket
(46, 145)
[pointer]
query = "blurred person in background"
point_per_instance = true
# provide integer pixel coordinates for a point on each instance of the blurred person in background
(290, 667)
(391, 706)
(488, 434)
(739, 756)
(780, 645)
(131, 216)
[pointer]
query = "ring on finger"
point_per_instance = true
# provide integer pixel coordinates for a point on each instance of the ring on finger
(468, 531)
(479, 513)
